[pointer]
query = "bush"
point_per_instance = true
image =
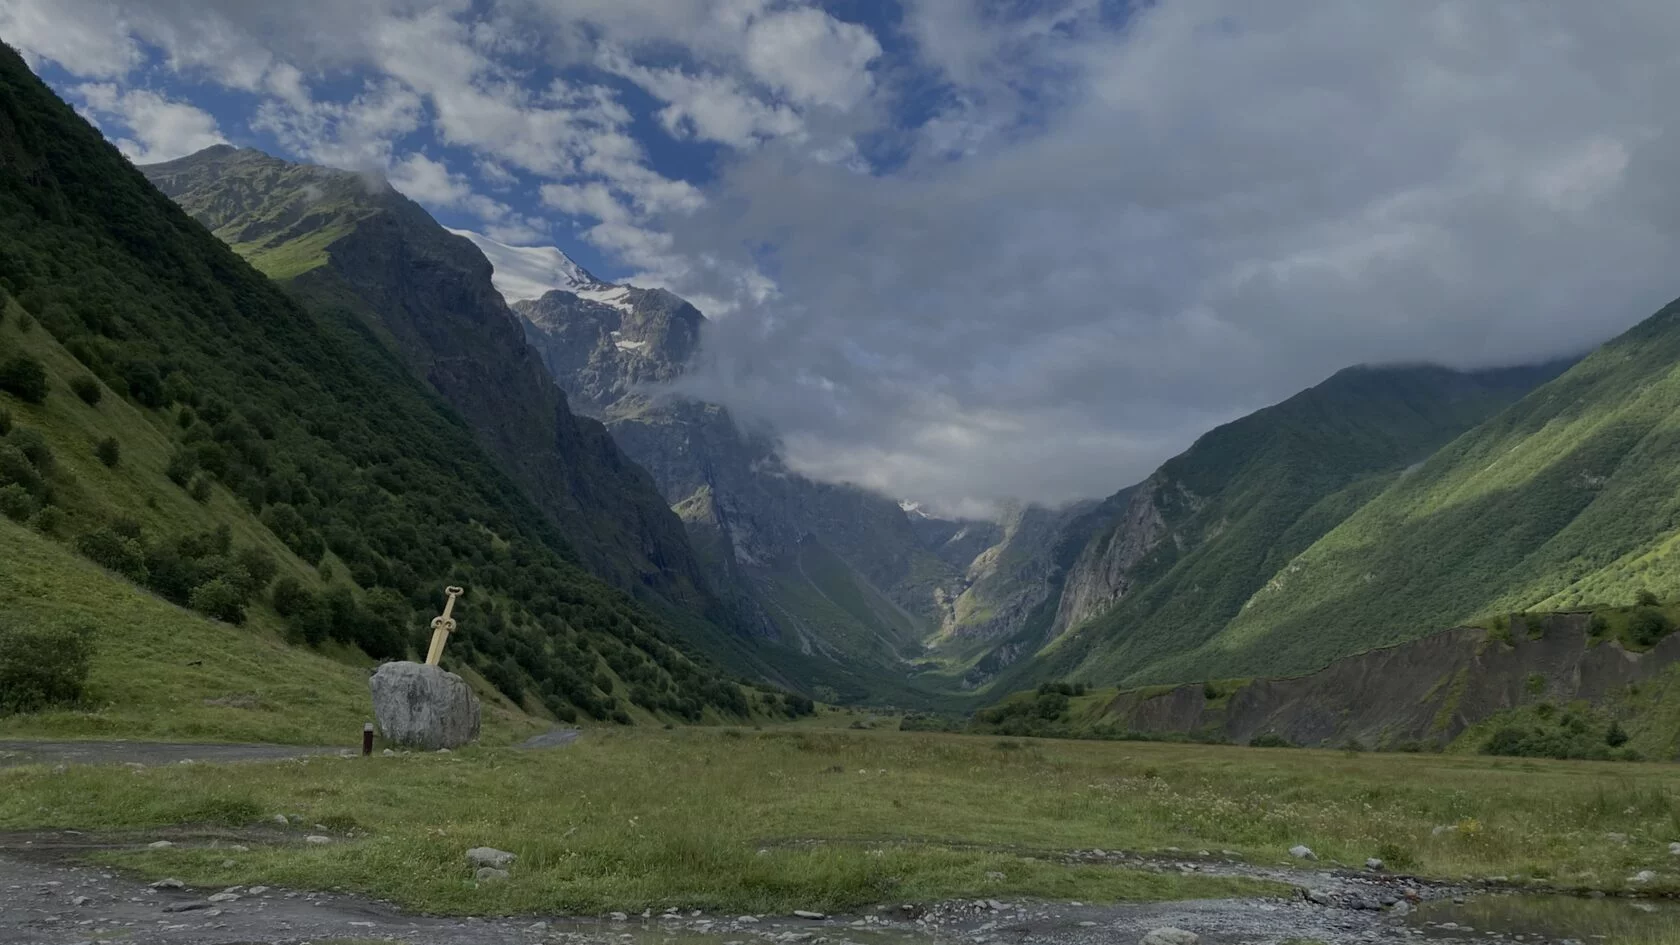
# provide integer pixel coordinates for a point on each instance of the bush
(199, 489)
(181, 467)
(87, 388)
(291, 597)
(1648, 625)
(48, 520)
(16, 503)
(108, 451)
(5, 421)
(259, 567)
(1645, 598)
(108, 549)
(34, 448)
(1270, 740)
(1615, 736)
(24, 377)
(219, 598)
(42, 667)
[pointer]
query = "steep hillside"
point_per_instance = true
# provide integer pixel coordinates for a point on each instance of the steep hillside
(269, 465)
(1197, 538)
(1570, 498)
(830, 573)
(1538, 684)
(342, 240)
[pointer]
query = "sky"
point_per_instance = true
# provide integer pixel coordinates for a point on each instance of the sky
(965, 251)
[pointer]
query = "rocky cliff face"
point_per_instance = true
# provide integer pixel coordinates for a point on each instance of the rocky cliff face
(821, 568)
(1103, 573)
(342, 240)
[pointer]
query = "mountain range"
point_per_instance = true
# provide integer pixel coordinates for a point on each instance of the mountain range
(309, 362)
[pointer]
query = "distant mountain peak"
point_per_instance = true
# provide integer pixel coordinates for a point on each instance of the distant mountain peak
(530, 272)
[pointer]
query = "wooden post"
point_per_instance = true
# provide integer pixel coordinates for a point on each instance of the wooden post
(367, 739)
(442, 627)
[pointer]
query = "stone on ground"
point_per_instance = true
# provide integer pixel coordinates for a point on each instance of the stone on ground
(491, 857)
(423, 706)
(488, 874)
(1301, 852)
(1170, 936)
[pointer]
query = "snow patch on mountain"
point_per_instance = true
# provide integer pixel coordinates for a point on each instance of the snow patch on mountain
(530, 272)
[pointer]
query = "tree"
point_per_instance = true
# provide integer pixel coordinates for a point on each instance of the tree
(87, 388)
(1645, 598)
(108, 451)
(25, 377)
(220, 599)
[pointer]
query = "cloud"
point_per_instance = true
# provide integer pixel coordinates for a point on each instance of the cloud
(812, 57)
(984, 250)
(159, 129)
(1211, 207)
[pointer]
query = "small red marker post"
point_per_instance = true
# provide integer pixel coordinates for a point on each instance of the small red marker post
(367, 739)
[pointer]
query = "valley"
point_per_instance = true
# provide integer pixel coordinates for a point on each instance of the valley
(1387, 653)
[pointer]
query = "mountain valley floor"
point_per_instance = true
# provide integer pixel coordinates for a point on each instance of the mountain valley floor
(764, 822)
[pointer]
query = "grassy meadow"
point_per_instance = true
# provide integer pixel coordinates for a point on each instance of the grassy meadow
(738, 820)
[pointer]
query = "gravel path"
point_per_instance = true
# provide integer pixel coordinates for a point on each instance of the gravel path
(146, 753)
(26, 752)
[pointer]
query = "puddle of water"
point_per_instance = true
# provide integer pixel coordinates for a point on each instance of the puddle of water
(1555, 919)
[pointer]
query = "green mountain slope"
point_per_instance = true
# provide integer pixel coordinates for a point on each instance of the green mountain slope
(273, 458)
(342, 240)
(1213, 525)
(1570, 498)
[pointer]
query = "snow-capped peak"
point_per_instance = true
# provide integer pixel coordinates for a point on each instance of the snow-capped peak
(529, 272)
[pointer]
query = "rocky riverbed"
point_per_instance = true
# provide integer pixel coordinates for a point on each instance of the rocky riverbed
(49, 896)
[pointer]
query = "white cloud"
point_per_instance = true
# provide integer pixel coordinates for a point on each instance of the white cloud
(159, 129)
(1121, 223)
(812, 57)
(87, 37)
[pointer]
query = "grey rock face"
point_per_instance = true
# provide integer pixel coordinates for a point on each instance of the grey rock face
(1103, 573)
(423, 706)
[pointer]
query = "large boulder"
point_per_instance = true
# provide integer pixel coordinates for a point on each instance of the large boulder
(424, 707)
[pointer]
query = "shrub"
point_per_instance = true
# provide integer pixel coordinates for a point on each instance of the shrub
(87, 388)
(1645, 598)
(219, 598)
(1270, 740)
(16, 503)
(1615, 736)
(34, 447)
(108, 549)
(42, 667)
(5, 421)
(16, 469)
(181, 467)
(145, 385)
(1648, 625)
(259, 567)
(1396, 857)
(291, 597)
(25, 377)
(108, 451)
(48, 520)
(200, 489)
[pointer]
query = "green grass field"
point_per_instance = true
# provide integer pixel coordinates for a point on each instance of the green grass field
(741, 820)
